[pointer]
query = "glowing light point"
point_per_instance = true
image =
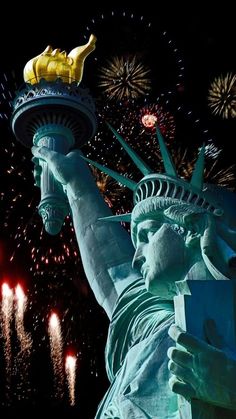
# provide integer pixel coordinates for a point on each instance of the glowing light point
(149, 120)
(6, 290)
(70, 362)
(54, 321)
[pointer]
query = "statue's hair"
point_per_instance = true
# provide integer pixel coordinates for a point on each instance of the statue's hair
(184, 214)
(167, 210)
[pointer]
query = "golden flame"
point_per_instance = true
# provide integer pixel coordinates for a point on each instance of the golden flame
(54, 64)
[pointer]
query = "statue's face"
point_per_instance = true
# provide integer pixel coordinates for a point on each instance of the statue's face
(160, 256)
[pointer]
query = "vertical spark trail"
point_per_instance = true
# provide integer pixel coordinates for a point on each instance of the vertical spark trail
(21, 303)
(6, 320)
(56, 349)
(25, 342)
(70, 368)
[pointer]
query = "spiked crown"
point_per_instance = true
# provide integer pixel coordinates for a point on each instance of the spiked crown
(167, 185)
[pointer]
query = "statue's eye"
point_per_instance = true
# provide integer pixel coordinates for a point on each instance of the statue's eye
(143, 236)
(178, 229)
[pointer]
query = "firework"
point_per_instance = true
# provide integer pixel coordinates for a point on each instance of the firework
(21, 303)
(109, 188)
(70, 367)
(25, 229)
(222, 96)
(138, 36)
(127, 119)
(124, 78)
(8, 86)
(6, 321)
(185, 159)
(56, 347)
(154, 114)
(23, 356)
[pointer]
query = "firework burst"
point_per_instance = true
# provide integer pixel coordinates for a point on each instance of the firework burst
(222, 96)
(155, 114)
(185, 159)
(109, 188)
(124, 78)
(136, 34)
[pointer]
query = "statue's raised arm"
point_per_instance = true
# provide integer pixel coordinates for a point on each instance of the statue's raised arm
(56, 115)
(106, 248)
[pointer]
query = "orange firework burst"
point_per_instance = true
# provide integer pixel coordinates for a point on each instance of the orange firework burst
(213, 173)
(108, 187)
(222, 96)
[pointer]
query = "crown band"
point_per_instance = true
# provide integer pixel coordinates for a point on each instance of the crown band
(167, 187)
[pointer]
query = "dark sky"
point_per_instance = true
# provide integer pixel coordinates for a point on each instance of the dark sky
(206, 44)
(204, 37)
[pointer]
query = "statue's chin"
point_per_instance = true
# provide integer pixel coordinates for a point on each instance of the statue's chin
(164, 289)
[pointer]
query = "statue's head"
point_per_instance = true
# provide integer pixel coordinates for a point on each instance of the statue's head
(172, 236)
(179, 227)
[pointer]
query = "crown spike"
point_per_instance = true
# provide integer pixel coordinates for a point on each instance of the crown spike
(140, 164)
(198, 173)
(117, 218)
(167, 160)
(119, 178)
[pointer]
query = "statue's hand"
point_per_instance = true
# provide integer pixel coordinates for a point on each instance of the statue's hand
(62, 167)
(70, 170)
(202, 371)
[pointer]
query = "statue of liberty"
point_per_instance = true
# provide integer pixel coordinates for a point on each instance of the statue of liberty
(180, 231)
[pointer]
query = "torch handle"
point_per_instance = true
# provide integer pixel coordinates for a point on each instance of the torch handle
(53, 206)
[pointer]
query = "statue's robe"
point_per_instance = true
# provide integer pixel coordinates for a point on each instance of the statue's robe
(136, 358)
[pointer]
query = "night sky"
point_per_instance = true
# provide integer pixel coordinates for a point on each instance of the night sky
(185, 50)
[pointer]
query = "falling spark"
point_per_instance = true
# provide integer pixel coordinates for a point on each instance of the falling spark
(6, 320)
(222, 96)
(23, 357)
(55, 337)
(21, 303)
(70, 368)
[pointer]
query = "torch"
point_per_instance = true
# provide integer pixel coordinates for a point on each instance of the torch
(52, 110)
